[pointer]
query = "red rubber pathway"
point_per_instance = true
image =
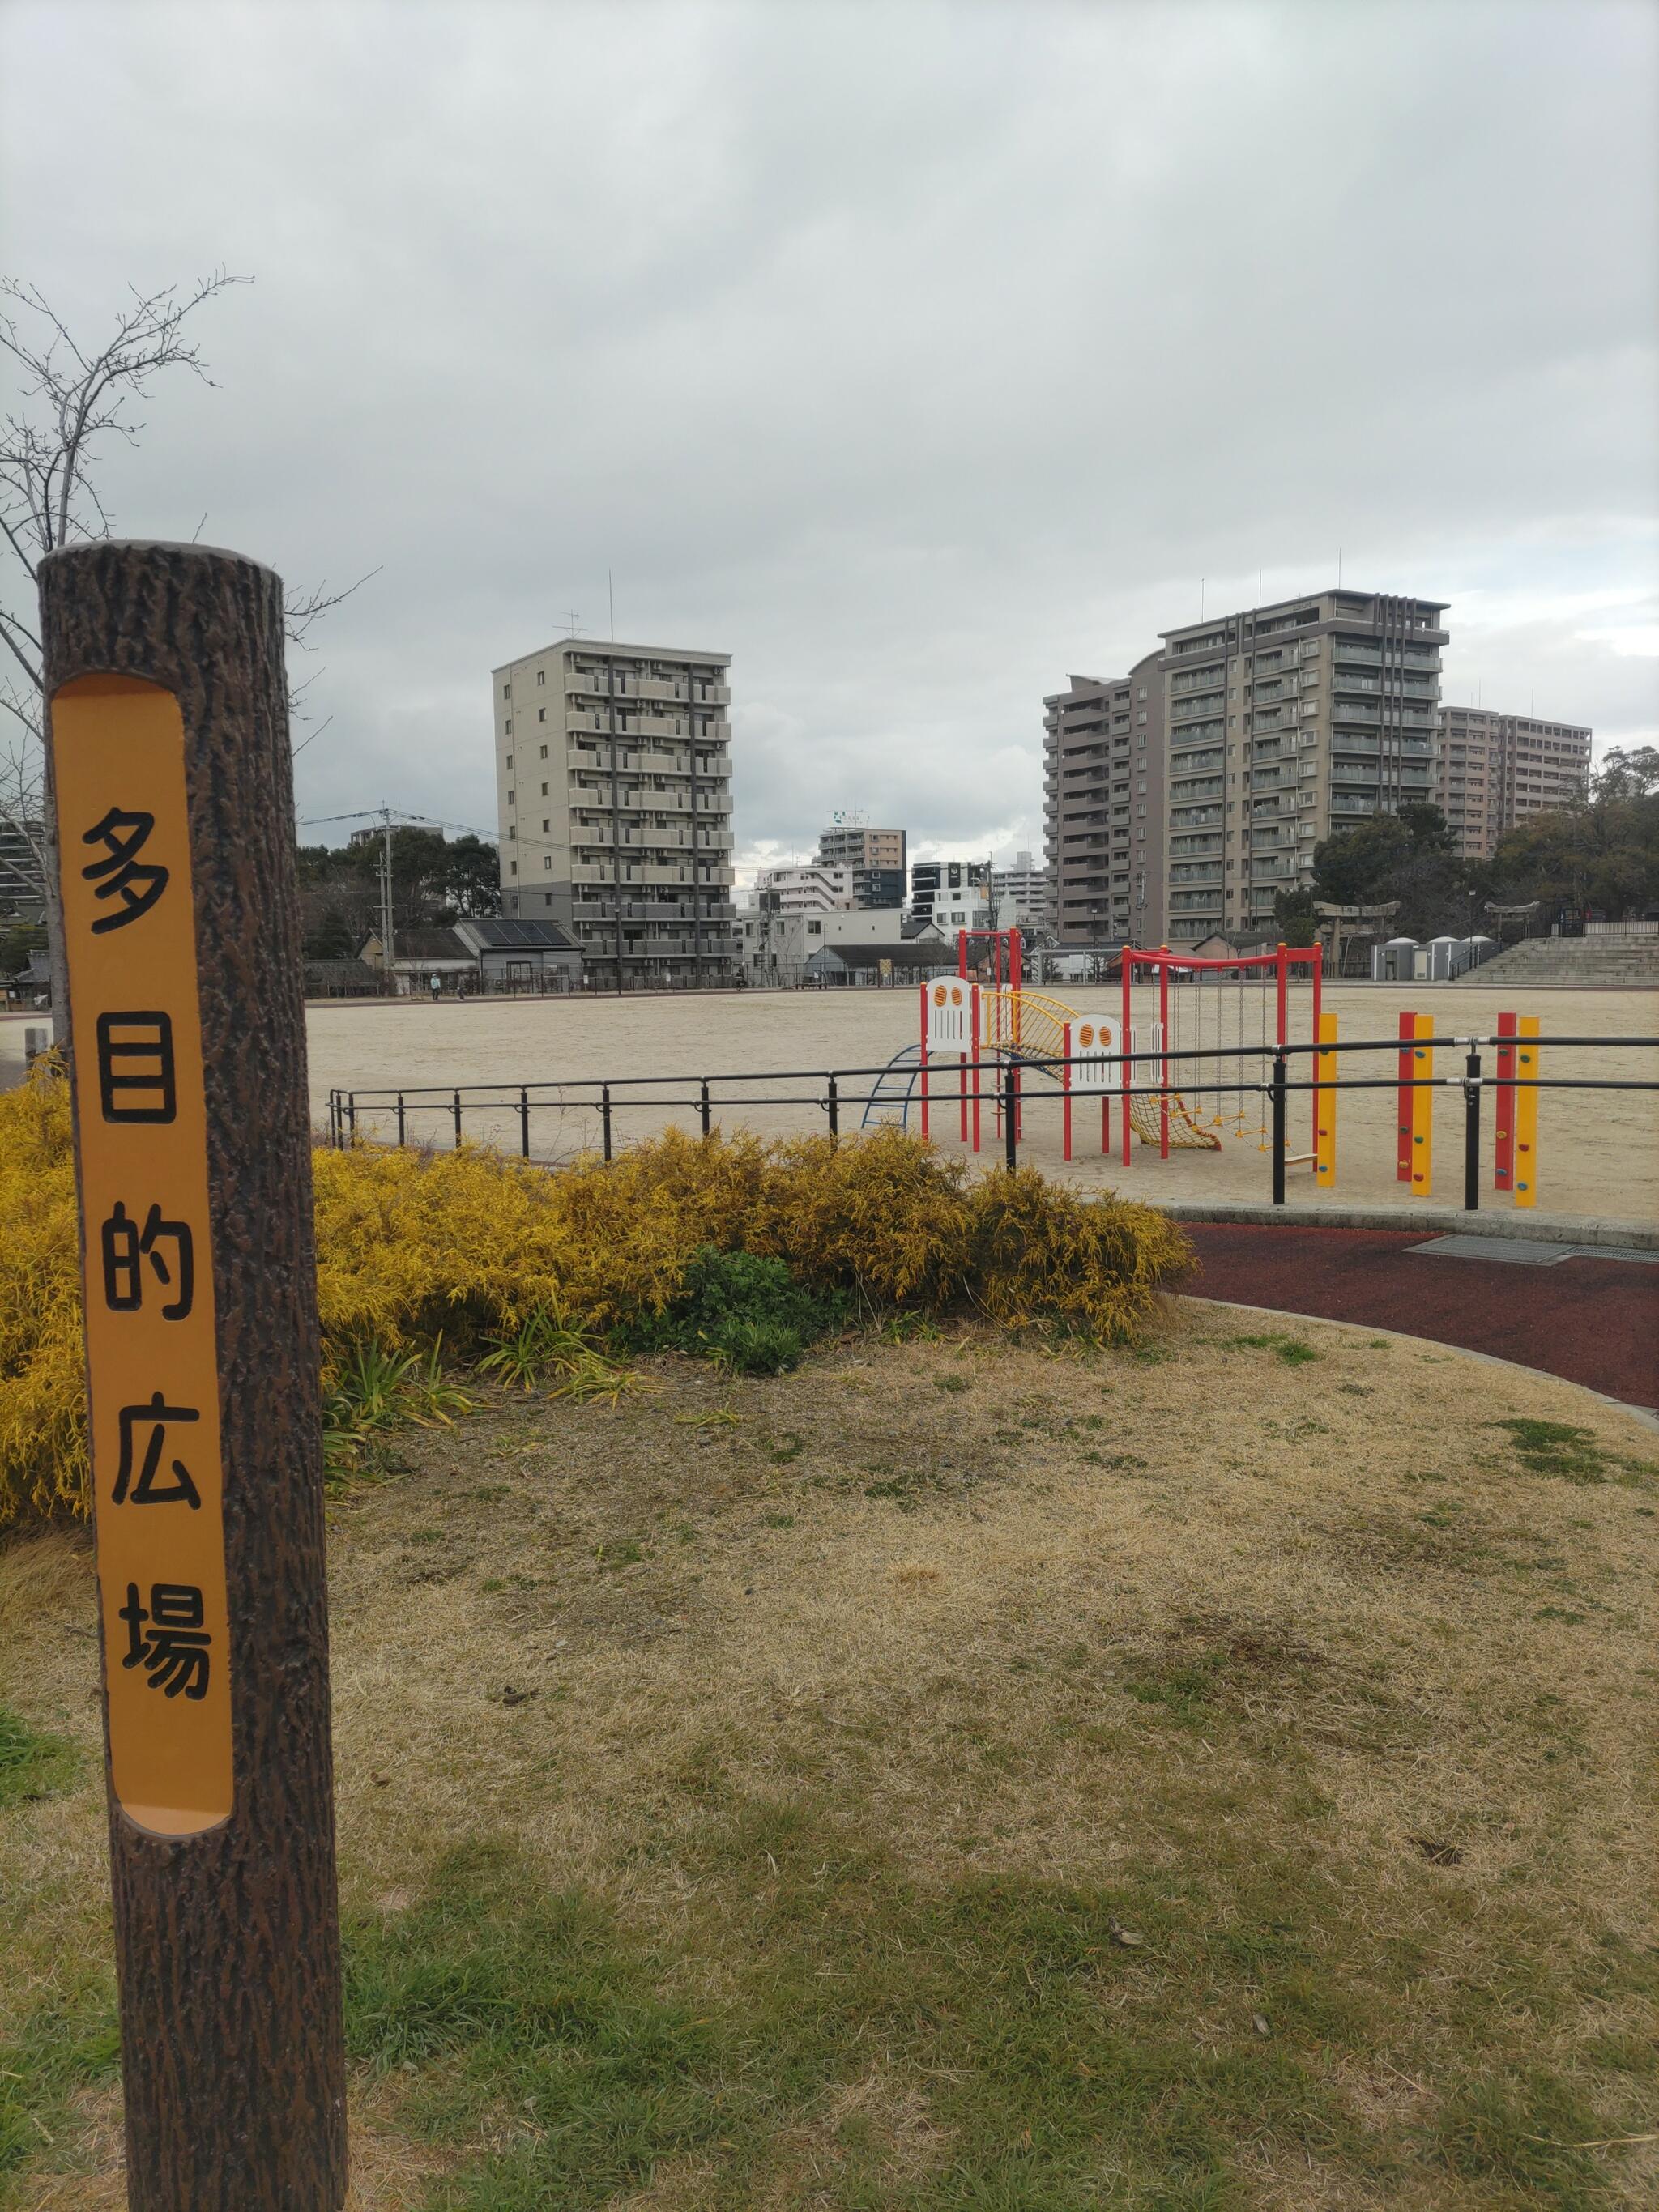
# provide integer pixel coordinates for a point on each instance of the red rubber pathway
(1591, 1321)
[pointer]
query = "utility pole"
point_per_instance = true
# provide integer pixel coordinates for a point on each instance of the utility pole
(385, 891)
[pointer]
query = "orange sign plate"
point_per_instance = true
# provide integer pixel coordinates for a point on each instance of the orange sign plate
(129, 927)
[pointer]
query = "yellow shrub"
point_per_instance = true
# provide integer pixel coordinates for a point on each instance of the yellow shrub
(43, 1405)
(411, 1244)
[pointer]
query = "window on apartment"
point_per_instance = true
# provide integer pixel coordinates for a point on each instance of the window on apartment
(512, 867)
(546, 826)
(547, 858)
(541, 713)
(541, 676)
(510, 795)
(507, 690)
(543, 752)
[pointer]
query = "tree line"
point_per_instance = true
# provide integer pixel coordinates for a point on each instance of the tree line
(1599, 856)
(434, 881)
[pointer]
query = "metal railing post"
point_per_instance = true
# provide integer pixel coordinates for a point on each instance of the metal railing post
(1278, 1093)
(351, 1113)
(1472, 1131)
(702, 1103)
(605, 1116)
(833, 1103)
(1010, 1110)
(400, 1119)
(524, 1122)
(457, 1120)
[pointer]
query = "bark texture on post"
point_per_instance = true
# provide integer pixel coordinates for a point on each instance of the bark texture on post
(227, 1941)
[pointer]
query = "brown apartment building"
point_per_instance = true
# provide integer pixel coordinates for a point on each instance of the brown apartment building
(1491, 771)
(878, 861)
(1264, 731)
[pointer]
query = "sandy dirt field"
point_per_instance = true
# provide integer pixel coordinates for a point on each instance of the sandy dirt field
(1598, 1153)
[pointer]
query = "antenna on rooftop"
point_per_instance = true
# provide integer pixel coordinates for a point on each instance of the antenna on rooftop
(572, 627)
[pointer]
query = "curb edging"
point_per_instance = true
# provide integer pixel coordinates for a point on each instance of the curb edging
(1533, 1228)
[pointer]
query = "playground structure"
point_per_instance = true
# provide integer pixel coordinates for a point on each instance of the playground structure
(1205, 1073)
(1204, 1006)
(1219, 1022)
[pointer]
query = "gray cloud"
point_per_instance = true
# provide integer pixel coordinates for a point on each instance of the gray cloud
(916, 354)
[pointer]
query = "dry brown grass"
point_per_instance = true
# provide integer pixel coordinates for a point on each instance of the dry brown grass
(1066, 1618)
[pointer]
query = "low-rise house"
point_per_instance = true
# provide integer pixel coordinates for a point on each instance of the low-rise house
(521, 956)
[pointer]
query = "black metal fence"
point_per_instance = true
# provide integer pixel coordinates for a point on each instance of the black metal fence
(427, 1114)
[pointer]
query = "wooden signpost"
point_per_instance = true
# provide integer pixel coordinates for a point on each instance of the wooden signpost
(169, 755)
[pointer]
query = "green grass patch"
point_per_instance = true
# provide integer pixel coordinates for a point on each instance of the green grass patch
(1294, 1351)
(72, 2042)
(1000, 2042)
(33, 1765)
(1029, 2008)
(1571, 1454)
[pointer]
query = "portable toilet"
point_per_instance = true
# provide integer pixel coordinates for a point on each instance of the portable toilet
(1437, 960)
(1392, 963)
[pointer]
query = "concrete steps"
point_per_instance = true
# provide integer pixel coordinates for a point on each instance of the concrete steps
(1627, 963)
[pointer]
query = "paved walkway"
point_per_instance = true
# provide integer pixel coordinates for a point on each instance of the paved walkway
(1594, 1321)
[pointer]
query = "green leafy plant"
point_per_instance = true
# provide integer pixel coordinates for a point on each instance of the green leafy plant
(545, 1343)
(748, 1314)
(374, 1389)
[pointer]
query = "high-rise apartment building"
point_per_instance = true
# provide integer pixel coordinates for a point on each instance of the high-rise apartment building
(877, 858)
(1491, 771)
(1103, 790)
(1318, 711)
(613, 773)
(1266, 731)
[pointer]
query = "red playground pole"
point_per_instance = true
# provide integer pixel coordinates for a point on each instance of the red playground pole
(1402, 1117)
(1124, 1043)
(1318, 972)
(1163, 1053)
(973, 1018)
(1503, 1170)
(925, 989)
(1066, 1081)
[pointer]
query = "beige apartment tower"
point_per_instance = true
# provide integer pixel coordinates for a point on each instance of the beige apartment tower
(1318, 711)
(1265, 731)
(1491, 771)
(613, 776)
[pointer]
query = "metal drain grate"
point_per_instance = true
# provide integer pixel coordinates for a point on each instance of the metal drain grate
(1524, 1252)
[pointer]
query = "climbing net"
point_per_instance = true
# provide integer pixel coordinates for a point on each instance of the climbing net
(1232, 1011)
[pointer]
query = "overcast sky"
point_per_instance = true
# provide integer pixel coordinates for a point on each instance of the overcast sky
(915, 354)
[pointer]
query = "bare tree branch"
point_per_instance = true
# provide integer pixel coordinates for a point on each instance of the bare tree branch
(71, 401)
(302, 609)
